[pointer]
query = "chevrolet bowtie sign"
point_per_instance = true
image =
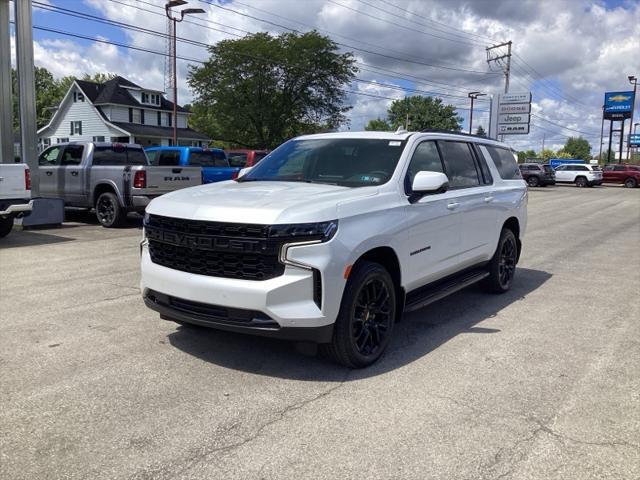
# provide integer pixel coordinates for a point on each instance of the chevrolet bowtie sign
(514, 113)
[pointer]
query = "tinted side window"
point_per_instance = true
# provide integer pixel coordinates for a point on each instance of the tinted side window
(505, 162)
(72, 155)
(618, 168)
(220, 159)
(425, 159)
(459, 165)
(169, 158)
(580, 168)
(238, 159)
(484, 168)
(50, 157)
(119, 156)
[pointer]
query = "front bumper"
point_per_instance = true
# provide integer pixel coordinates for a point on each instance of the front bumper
(287, 300)
(19, 208)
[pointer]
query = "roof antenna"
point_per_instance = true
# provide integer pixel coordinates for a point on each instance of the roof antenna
(400, 130)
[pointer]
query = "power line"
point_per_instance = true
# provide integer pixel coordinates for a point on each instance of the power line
(371, 52)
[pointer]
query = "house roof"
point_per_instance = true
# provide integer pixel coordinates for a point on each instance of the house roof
(154, 131)
(114, 91)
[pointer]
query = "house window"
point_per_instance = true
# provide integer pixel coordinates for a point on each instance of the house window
(78, 97)
(99, 138)
(159, 118)
(145, 97)
(131, 115)
(46, 142)
(142, 116)
(76, 128)
(169, 119)
(62, 139)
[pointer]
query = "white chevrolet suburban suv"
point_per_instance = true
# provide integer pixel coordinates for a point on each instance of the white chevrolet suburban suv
(331, 237)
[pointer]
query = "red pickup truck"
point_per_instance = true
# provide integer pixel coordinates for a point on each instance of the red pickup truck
(629, 175)
(245, 158)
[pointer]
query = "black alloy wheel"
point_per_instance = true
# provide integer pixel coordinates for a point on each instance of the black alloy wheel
(630, 183)
(108, 210)
(507, 263)
(372, 316)
(581, 182)
(533, 181)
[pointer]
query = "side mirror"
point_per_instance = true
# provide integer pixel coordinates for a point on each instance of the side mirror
(430, 182)
(244, 171)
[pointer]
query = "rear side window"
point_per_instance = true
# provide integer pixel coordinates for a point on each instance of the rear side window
(459, 164)
(72, 155)
(208, 159)
(505, 162)
(635, 169)
(484, 168)
(117, 155)
(579, 168)
(168, 158)
(618, 168)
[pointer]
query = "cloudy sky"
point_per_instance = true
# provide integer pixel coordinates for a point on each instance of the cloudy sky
(568, 53)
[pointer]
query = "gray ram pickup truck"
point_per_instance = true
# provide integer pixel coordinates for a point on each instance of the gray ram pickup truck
(112, 178)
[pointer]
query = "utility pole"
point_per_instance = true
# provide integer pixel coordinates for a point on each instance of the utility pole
(167, 8)
(633, 80)
(502, 60)
(472, 96)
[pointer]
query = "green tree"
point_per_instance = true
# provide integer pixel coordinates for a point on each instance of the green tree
(260, 90)
(547, 154)
(378, 125)
(563, 154)
(423, 113)
(481, 131)
(577, 147)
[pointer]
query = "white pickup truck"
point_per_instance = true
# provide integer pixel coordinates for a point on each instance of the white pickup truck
(15, 195)
(331, 237)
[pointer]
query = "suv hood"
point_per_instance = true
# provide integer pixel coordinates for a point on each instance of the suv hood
(258, 202)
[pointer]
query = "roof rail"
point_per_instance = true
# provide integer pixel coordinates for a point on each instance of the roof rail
(452, 132)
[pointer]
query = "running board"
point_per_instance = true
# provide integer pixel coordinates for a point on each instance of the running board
(432, 293)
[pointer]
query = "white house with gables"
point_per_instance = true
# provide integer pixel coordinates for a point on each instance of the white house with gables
(117, 111)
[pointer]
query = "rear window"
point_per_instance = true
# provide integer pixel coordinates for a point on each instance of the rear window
(596, 168)
(118, 155)
(505, 162)
(168, 158)
(238, 159)
(548, 169)
(208, 159)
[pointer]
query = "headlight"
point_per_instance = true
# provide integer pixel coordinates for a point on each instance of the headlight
(322, 231)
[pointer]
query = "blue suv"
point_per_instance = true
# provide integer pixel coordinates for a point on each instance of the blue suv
(214, 162)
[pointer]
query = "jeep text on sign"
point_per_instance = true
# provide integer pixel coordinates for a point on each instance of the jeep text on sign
(513, 118)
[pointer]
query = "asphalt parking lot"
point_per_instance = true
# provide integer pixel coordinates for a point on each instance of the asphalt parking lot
(540, 383)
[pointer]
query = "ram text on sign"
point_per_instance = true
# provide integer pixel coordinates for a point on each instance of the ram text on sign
(513, 129)
(524, 97)
(513, 118)
(515, 108)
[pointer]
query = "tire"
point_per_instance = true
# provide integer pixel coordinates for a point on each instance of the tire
(581, 182)
(365, 322)
(108, 210)
(502, 267)
(6, 224)
(533, 181)
(631, 182)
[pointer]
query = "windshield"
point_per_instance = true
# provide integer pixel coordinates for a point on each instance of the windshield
(349, 162)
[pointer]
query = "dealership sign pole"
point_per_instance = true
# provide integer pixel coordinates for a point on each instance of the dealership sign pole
(618, 106)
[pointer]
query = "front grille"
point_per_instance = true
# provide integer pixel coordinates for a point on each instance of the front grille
(217, 249)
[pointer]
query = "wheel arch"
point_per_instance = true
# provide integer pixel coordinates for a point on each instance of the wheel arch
(388, 258)
(513, 224)
(104, 187)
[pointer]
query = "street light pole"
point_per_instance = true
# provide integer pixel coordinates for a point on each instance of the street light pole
(167, 8)
(633, 80)
(472, 96)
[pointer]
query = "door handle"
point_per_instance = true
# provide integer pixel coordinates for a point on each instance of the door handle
(453, 206)
(488, 199)
(49, 173)
(75, 174)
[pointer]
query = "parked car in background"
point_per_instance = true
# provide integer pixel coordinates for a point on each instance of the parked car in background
(582, 175)
(331, 237)
(15, 195)
(245, 158)
(112, 178)
(537, 175)
(628, 175)
(213, 161)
